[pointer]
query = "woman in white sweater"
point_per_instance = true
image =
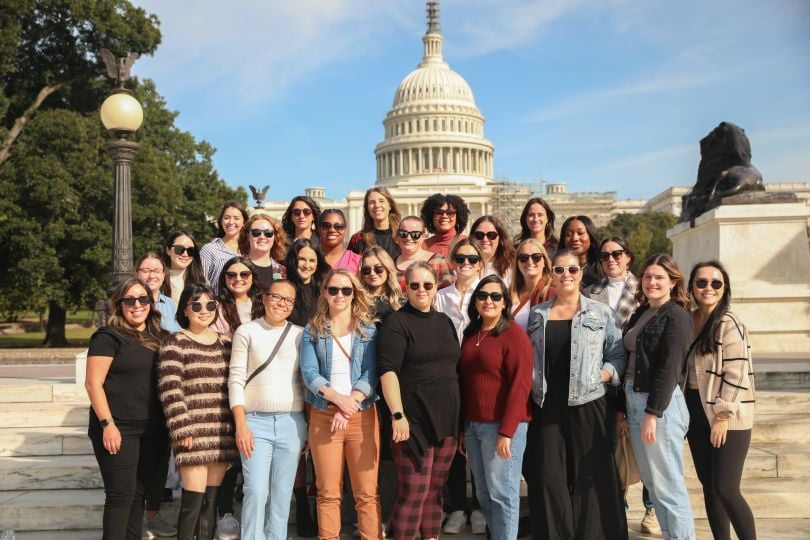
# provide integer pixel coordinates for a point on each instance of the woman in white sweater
(267, 400)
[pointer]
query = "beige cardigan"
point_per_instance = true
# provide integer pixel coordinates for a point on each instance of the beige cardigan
(726, 377)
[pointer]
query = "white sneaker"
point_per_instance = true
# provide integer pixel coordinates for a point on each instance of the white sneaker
(478, 522)
(649, 523)
(228, 528)
(456, 522)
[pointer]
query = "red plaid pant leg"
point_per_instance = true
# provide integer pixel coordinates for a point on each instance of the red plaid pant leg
(419, 502)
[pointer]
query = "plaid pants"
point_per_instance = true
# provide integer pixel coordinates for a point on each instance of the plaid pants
(419, 503)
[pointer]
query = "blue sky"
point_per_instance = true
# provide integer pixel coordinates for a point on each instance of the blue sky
(605, 95)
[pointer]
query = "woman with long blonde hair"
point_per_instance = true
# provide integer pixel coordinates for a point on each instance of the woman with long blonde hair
(531, 279)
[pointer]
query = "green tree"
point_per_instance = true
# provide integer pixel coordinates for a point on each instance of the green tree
(646, 234)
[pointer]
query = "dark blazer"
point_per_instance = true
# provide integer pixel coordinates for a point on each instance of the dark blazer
(661, 349)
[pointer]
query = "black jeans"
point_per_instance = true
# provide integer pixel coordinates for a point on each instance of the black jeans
(154, 491)
(126, 474)
(720, 471)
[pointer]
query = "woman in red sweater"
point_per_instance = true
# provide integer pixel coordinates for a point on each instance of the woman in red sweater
(496, 374)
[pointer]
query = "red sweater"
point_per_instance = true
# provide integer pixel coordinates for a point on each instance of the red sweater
(496, 378)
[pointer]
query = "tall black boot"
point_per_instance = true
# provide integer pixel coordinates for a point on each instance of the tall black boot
(190, 505)
(304, 526)
(208, 514)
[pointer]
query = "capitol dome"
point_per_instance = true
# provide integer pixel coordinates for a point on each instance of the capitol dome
(434, 127)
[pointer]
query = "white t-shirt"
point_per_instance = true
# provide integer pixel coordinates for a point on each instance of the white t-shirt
(341, 375)
(450, 302)
(522, 316)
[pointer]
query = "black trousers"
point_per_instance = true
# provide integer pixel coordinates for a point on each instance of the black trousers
(574, 490)
(126, 474)
(154, 491)
(720, 472)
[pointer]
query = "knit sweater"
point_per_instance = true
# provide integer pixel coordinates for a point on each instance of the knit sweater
(726, 376)
(278, 388)
(496, 378)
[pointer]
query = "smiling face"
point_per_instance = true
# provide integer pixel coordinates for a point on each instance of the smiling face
(488, 246)
(238, 280)
(261, 245)
(332, 230)
(182, 260)
(708, 296)
(466, 270)
(339, 303)
(576, 238)
(489, 309)
(567, 282)
(152, 272)
(536, 219)
(302, 217)
(373, 280)
(307, 263)
(232, 222)
(198, 321)
(378, 208)
(444, 219)
(136, 315)
(278, 302)
(656, 285)
(421, 298)
(407, 245)
(613, 267)
(530, 268)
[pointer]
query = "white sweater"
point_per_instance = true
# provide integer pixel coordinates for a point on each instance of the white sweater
(278, 388)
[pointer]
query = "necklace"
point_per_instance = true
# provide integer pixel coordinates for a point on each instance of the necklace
(481, 337)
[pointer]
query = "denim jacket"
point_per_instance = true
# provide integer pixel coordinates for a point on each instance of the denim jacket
(316, 365)
(596, 344)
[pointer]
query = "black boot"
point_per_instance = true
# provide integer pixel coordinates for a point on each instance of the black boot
(190, 505)
(208, 514)
(304, 526)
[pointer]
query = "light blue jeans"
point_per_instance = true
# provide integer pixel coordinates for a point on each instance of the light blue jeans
(661, 464)
(497, 481)
(278, 441)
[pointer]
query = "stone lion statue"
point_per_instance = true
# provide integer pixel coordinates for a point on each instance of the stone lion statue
(725, 169)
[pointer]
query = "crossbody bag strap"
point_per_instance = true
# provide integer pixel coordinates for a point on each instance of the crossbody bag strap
(272, 354)
(340, 346)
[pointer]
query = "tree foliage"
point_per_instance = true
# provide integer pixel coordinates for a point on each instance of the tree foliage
(646, 234)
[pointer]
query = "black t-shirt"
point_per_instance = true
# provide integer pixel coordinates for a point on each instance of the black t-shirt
(386, 241)
(131, 382)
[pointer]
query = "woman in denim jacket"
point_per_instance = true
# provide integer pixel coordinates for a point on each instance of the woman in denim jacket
(338, 364)
(573, 485)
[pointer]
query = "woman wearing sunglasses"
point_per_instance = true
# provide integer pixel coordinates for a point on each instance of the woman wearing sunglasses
(338, 364)
(578, 234)
(239, 297)
(537, 222)
(657, 339)
(410, 236)
(333, 234)
(380, 222)
(126, 427)
(193, 385)
(300, 220)
(531, 280)
(225, 245)
(573, 485)
(418, 361)
(262, 242)
(267, 399)
(496, 375)
(720, 399)
(490, 234)
(182, 258)
(378, 276)
(444, 216)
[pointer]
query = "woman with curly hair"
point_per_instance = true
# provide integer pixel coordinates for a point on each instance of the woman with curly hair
(531, 280)
(225, 245)
(300, 220)
(182, 257)
(378, 274)
(263, 242)
(445, 216)
(579, 235)
(380, 223)
(493, 239)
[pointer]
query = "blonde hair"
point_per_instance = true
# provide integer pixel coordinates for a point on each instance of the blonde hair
(518, 281)
(362, 306)
(392, 292)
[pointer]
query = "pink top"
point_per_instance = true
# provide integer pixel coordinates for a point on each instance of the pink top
(350, 261)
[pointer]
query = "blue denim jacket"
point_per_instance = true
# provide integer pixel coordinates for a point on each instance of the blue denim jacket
(316, 365)
(596, 344)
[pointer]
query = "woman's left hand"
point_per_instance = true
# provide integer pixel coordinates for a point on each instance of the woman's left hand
(606, 377)
(502, 447)
(719, 431)
(648, 428)
(339, 422)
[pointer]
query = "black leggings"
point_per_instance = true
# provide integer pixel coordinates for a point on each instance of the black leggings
(720, 471)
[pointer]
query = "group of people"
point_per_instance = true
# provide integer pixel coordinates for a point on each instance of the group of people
(402, 355)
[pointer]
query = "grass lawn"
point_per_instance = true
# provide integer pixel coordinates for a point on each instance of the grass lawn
(77, 337)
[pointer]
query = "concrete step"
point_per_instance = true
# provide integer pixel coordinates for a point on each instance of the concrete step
(49, 472)
(781, 428)
(15, 391)
(52, 510)
(49, 414)
(792, 459)
(44, 441)
(758, 464)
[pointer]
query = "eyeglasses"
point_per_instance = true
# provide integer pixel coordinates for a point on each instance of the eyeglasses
(561, 270)
(535, 257)
(179, 250)
(606, 255)
(490, 235)
(450, 212)
(325, 226)
(275, 297)
(482, 296)
(703, 283)
(459, 258)
(298, 212)
(415, 235)
(377, 269)
(345, 291)
(196, 307)
(244, 274)
(414, 286)
(268, 233)
(129, 301)
(150, 271)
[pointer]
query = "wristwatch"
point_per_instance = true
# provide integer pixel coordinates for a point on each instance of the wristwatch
(397, 416)
(106, 422)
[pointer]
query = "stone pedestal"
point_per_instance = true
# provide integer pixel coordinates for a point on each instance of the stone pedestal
(765, 249)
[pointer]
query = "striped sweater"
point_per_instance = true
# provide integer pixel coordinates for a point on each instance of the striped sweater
(193, 387)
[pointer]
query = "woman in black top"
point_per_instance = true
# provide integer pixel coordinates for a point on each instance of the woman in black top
(127, 426)
(578, 234)
(417, 358)
(380, 223)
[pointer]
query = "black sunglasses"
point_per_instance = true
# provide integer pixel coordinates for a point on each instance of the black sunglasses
(345, 291)
(244, 274)
(606, 255)
(459, 258)
(414, 286)
(450, 212)
(179, 250)
(297, 212)
(129, 301)
(703, 283)
(268, 233)
(377, 269)
(535, 257)
(490, 235)
(325, 226)
(482, 296)
(415, 235)
(560, 270)
(196, 307)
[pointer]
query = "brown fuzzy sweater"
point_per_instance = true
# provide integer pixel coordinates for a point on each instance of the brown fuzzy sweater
(193, 387)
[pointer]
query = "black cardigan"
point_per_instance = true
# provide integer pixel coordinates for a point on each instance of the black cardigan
(661, 350)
